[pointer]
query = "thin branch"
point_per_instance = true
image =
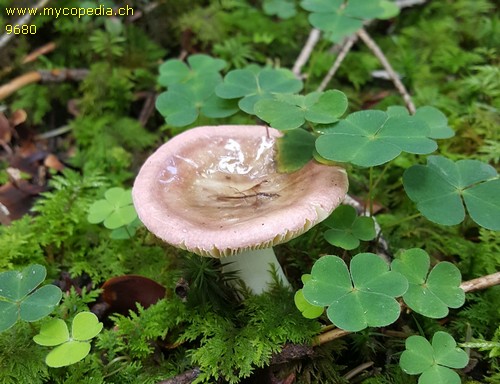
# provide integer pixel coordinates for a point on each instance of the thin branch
(55, 75)
(19, 82)
(481, 282)
(363, 35)
(345, 48)
(307, 49)
(357, 370)
(44, 49)
(21, 21)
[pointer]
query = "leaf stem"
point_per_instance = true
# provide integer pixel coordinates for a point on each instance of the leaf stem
(370, 192)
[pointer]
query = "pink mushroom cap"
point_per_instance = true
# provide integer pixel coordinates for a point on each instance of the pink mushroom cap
(215, 191)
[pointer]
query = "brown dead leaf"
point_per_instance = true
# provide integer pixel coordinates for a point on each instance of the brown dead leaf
(16, 199)
(5, 130)
(123, 292)
(53, 162)
(18, 117)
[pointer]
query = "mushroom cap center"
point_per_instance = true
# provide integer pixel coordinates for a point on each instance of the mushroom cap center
(227, 182)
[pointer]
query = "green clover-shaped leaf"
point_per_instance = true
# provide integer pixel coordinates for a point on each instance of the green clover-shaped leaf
(308, 310)
(71, 349)
(200, 67)
(191, 90)
(284, 9)
(347, 228)
(370, 138)
(294, 150)
(52, 332)
(339, 21)
(116, 210)
(433, 117)
(288, 111)
(182, 104)
(19, 299)
(441, 188)
(430, 295)
(127, 231)
(359, 299)
(252, 85)
(434, 360)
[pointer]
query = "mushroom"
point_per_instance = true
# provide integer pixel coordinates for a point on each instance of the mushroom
(216, 191)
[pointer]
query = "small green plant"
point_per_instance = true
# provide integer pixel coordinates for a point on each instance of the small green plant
(191, 90)
(429, 294)
(339, 20)
(284, 9)
(288, 111)
(363, 297)
(433, 360)
(308, 310)
(347, 228)
(441, 188)
(369, 138)
(254, 83)
(116, 212)
(20, 298)
(70, 348)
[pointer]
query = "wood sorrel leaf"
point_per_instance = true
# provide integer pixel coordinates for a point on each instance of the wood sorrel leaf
(14, 285)
(363, 298)
(52, 332)
(200, 66)
(446, 352)
(433, 117)
(347, 228)
(291, 111)
(432, 361)
(284, 9)
(40, 303)
(430, 295)
(70, 350)
(339, 20)
(441, 188)
(19, 299)
(370, 138)
(294, 150)
(67, 354)
(85, 326)
(116, 210)
(308, 310)
(253, 85)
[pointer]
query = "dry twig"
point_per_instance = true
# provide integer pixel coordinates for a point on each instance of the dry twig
(307, 49)
(363, 35)
(55, 75)
(345, 48)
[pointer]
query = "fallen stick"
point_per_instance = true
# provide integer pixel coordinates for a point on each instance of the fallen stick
(372, 45)
(55, 75)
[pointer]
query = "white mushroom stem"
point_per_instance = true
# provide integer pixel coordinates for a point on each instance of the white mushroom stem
(254, 268)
